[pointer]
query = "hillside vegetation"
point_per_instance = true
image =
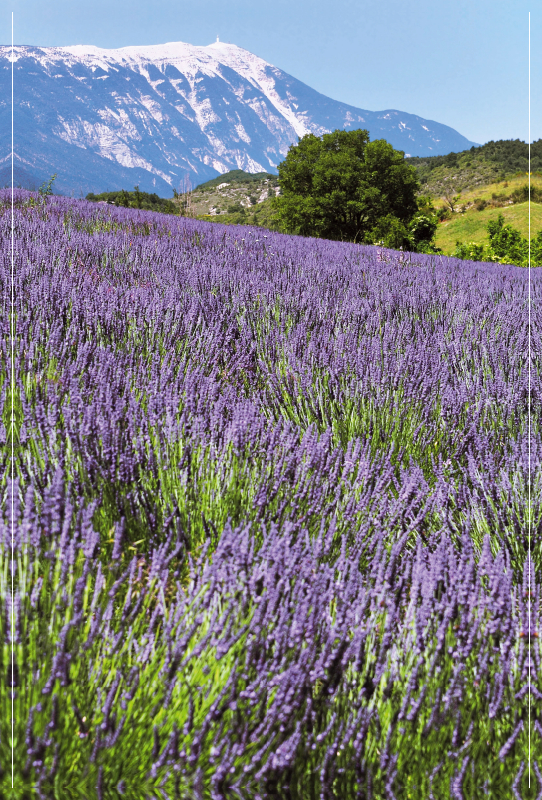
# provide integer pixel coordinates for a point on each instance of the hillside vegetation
(491, 163)
(135, 199)
(467, 189)
(236, 197)
(475, 208)
(236, 176)
(493, 176)
(471, 226)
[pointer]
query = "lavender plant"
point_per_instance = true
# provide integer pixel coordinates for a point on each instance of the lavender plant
(271, 505)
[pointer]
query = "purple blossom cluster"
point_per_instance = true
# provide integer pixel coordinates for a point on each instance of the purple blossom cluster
(321, 661)
(275, 500)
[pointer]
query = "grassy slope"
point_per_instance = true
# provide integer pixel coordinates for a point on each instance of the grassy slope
(471, 226)
(209, 199)
(483, 174)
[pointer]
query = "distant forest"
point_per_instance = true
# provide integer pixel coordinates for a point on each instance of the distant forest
(136, 199)
(238, 176)
(510, 155)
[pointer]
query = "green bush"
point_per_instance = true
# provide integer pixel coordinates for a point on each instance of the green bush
(236, 208)
(422, 231)
(391, 232)
(521, 195)
(506, 245)
(470, 251)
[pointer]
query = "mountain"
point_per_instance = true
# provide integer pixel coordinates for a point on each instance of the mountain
(156, 115)
(21, 177)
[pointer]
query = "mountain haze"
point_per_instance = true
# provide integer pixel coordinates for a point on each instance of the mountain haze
(155, 115)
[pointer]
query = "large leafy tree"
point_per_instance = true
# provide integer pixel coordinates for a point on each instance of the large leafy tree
(342, 186)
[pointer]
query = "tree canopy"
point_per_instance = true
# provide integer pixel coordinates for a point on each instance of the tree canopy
(136, 199)
(342, 186)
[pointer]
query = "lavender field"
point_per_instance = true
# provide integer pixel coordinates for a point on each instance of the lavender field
(271, 508)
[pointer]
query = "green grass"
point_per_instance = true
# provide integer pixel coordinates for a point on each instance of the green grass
(471, 226)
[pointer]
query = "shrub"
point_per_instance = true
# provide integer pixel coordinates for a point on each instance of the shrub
(521, 195)
(470, 251)
(422, 231)
(507, 243)
(392, 233)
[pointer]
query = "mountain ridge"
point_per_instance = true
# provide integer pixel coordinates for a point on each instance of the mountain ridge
(154, 114)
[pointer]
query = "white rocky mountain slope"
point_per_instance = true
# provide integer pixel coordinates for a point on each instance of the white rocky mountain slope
(155, 115)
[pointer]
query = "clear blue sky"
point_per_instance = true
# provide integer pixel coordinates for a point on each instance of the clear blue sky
(462, 63)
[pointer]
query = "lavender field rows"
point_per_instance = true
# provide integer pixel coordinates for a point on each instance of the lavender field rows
(271, 507)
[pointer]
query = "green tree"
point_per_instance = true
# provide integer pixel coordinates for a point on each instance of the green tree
(452, 200)
(536, 250)
(422, 229)
(506, 243)
(342, 186)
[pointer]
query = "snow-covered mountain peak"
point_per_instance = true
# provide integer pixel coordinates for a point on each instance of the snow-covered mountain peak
(151, 114)
(220, 52)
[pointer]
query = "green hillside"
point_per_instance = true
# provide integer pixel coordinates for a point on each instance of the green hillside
(476, 207)
(235, 197)
(471, 226)
(467, 188)
(479, 166)
(236, 176)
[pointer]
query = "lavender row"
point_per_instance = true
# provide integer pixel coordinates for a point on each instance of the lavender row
(182, 333)
(267, 467)
(270, 668)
